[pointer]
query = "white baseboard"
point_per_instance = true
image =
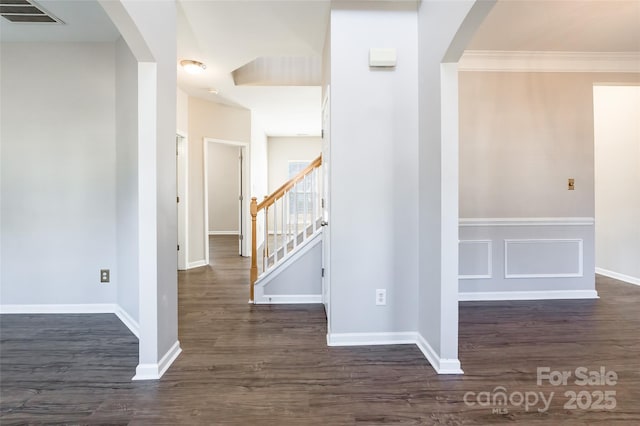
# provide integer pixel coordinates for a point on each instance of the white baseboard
(76, 308)
(155, 371)
(441, 365)
(197, 264)
(366, 339)
(618, 276)
(127, 320)
(282, 299)
(224, 233)
(527, 295)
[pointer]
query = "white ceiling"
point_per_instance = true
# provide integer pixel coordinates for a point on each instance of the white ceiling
(83, 21)
(564, 26)
(226, 34)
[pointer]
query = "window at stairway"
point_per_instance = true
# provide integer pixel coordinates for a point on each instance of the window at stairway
(300, 192)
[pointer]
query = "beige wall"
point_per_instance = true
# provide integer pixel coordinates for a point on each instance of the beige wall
(617, 179)
(522, 135)
(211, 120)
(282, 150)
(224, 188)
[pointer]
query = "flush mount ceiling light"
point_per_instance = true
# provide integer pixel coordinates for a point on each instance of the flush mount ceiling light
(192, 67)
(213, 91)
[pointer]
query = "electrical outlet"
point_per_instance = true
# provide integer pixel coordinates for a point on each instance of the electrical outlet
(104, 275)
(381, 297)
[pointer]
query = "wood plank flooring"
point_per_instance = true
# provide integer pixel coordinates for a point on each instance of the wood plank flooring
(269, 365)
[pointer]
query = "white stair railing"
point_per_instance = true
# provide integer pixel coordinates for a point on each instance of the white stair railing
(291, 215)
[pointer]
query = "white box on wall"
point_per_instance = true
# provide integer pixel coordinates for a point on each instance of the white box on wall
(382, 57)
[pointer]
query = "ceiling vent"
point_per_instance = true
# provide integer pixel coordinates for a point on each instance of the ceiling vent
(26, 12)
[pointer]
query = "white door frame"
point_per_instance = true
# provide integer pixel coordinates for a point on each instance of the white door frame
(245, 191)
(182, 192)
(326, 195)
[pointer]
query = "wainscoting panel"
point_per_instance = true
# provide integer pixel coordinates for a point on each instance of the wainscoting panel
(532, 258)
(475, 259)
(543, 258)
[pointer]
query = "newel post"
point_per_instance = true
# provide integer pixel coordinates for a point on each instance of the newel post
(254, 261)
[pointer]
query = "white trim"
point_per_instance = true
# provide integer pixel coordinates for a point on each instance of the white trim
(441, 365)
(183, 206)
(367, 339)
(528, 295)
(544, 241)
(489, 244)
(197, 264)
(531, 61)
(527, 221)
(155, 371)
(127, 320)
(283, 299)
(76, 308)
(618, 276)
(227, 142)
(224, 233)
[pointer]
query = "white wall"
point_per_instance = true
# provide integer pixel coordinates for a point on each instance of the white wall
(259, 171)
(216, 121)
(282, 150)
(617, 179)
(299, 279)
(374, 171)
(224, 188)
(440, 24)
(149, 28)
(58, 173)
(182, 111)
(522, 135)
(127, 180)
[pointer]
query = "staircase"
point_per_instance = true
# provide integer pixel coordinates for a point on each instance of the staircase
(286, 245)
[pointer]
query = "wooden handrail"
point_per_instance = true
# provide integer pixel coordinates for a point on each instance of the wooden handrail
(278, 193)
(264, 204)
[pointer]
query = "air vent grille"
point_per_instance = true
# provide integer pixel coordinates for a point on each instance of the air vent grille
(23, 11)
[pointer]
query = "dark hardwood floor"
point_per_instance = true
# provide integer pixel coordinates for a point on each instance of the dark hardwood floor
(269, 365)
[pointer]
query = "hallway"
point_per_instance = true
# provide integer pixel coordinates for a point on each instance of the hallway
(269, 365)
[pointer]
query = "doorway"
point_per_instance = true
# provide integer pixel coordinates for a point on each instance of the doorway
(616, 110)
(225, 186)
(182, 205)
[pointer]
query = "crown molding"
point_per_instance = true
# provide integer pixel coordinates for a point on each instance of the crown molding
(512, 61)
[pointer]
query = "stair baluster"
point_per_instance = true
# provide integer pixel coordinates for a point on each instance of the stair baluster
(304, 184)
